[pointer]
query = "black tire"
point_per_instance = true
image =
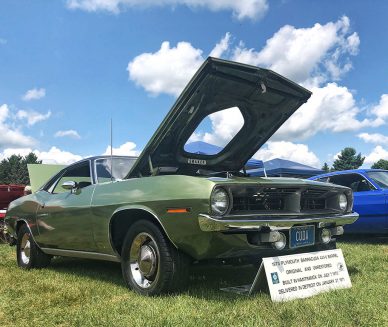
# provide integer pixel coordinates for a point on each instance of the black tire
(28, 254)
(163, 269)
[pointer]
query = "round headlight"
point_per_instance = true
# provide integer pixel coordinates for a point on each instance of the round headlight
(343, 202)
(280, 244)
(219, 201)
(325, 236)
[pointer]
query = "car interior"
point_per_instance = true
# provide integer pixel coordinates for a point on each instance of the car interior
(356, 182)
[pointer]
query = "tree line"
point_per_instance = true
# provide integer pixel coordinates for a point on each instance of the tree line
(13, 170)
(348, 159)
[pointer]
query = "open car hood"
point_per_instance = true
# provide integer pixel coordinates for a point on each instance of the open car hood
(266, 100)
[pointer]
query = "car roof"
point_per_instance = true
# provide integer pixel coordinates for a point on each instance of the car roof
(350, 171)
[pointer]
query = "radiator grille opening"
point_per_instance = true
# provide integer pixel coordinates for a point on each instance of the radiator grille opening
(262, 200)
(284, 199)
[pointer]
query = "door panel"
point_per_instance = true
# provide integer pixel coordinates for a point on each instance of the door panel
(373, 211)
(65, 220)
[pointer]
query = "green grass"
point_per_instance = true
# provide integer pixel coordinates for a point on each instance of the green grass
(74, 292)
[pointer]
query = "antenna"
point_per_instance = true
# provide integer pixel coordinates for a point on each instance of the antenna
(111, 150)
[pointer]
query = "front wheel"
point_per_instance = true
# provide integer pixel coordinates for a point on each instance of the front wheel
(151, 265)
(28, 254)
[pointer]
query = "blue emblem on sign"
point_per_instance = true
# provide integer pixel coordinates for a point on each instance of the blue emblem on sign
(275, 278)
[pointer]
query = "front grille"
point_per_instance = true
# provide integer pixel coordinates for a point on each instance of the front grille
(313, 204)
(262, 200)
(283, 199)
(313, 199)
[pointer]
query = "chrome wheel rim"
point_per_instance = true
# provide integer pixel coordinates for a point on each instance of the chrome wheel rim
(144, 260)
(25, 249)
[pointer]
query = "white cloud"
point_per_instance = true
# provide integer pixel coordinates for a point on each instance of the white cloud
(311, 56)
(242, 9)
(57, 156)
(166, 71)
(330, 108)
(32, 117)
(221, 46)
(225, 125)
(34, 94)
(69, 133)
(375, 138)
(52, 156)
(306, 55)
(377, 153)
(169, 69)
(381, 110)
(288, 150)
(126, 149)
(10, 136)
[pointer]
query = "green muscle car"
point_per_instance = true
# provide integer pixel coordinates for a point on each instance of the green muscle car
(168, 208)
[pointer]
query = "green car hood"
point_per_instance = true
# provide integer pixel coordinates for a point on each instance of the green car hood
(266, 100)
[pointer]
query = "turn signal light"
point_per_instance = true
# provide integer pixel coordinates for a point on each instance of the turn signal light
(178, 210)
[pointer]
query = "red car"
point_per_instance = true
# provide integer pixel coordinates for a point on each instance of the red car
(8, 193)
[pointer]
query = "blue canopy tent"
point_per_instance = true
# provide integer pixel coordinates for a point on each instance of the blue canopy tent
(200, 147)
(286, 168)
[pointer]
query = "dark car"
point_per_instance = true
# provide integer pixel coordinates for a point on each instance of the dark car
(370, 188)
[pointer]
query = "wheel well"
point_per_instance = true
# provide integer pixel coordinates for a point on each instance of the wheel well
(122, 221)
(19, 224)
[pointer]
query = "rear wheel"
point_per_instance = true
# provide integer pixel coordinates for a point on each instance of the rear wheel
(151, 265)
(28, 254)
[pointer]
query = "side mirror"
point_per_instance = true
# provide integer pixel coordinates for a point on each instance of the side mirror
(69, 185)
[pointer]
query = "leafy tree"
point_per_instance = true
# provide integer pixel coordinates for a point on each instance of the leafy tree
(348, 160)
(325, 167)
(13, 170)
(381, 164)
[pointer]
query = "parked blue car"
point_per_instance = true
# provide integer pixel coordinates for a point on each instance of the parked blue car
(370, 187)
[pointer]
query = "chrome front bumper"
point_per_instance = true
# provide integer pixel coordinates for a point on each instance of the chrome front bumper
(253, 222)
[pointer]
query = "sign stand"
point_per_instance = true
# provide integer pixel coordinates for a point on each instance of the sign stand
(259, 284)
(298, 276)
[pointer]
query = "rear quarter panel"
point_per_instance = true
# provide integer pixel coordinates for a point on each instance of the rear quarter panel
(22, 209)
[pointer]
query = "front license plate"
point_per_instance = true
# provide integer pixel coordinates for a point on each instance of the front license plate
(302, 236)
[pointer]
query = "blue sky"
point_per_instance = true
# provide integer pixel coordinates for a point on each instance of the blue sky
(67, 67)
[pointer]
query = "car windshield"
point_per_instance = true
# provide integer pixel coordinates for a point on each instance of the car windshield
(118, 166)
(380, 178)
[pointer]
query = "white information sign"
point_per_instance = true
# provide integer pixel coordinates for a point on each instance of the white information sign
(303, 275)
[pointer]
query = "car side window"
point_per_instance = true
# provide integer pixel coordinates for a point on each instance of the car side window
(79, 174)
(323, 179)
(356, 182)
(51, 183)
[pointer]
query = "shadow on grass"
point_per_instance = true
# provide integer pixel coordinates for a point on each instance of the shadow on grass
(364, 239)
(353, 271)
(205, 280)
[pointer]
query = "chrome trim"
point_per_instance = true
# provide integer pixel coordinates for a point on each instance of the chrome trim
(212, 224)
(144, 260)
(81, 254)
(25, 250)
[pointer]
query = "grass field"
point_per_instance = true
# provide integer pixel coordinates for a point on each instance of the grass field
(74, 292)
